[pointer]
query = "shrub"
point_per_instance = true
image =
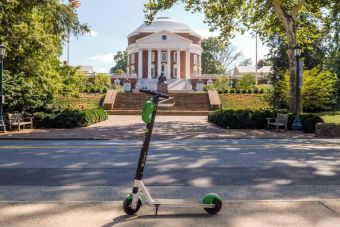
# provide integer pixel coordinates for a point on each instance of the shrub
(318, 90)
(104, 90)
(232, 91)
(256, 91)
(238, 91)
(69, 118)
(256, 119)
(92, 90)
(250, 91)
(261, 91)
(244, 91)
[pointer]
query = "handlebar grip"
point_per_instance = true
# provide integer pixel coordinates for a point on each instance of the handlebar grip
(154, 93)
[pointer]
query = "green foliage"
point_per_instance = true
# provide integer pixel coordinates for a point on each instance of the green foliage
(246, 62)
(222, 84)
(121, 59)
(21, 94)
(256, 119)
(34, 33)
(318, 90)
(101, 81)
(74, 81)
(69, 118)
(247, 81)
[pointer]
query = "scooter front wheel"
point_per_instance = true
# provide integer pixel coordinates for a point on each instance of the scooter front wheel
(127, 206)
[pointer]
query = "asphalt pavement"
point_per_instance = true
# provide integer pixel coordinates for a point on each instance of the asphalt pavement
(248, 169)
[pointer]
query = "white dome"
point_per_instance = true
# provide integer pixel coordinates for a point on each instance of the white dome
(165, 23)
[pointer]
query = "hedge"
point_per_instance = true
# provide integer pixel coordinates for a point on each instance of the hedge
(256, 119)
(69, 118)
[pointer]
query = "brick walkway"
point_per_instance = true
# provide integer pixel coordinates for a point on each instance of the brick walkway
(166, 127)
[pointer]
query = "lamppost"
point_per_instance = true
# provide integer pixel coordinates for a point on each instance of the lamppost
(2, 56)
(297, 125)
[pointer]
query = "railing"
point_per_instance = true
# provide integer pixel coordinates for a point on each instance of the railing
(207, 76)
(123, 76)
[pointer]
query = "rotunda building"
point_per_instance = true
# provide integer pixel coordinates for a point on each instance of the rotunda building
(166, 46)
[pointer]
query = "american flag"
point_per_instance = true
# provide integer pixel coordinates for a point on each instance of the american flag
(75, 3)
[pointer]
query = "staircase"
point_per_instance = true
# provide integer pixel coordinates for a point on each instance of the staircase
(185, 104)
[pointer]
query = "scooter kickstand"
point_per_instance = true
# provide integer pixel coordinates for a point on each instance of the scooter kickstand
(157, 206)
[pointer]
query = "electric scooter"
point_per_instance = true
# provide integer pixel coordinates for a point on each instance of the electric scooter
(212, 203)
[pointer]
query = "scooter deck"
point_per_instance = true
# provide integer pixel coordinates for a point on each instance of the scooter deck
(181, 203)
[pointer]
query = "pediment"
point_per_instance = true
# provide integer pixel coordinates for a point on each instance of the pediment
(163, 36)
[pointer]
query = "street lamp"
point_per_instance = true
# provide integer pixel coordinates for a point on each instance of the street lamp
(2, 56)
(297, 125)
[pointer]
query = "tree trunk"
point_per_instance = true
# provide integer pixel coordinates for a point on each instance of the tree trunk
(288, 22)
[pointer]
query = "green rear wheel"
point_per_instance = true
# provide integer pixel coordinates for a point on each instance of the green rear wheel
(216, 209)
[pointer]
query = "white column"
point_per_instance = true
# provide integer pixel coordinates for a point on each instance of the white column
(169, 65)
(159, 66)
(140, 63)
(200, 65)
(149, 63)
(178, 64)
(187, 63)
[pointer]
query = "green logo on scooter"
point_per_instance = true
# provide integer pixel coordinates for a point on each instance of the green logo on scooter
(149, 108)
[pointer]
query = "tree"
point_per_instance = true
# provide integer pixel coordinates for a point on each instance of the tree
(262, 63)
(246, 62)
(74, 81)
(218, 57)
(34, 33)
(247, 81)
(120, 59)
(297, 22)
(102, 81)
(222, 83)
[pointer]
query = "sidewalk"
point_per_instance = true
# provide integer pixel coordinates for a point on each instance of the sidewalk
(234, 213)
(122, 127)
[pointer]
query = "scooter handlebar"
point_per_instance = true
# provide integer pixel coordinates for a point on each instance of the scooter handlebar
(154, 93)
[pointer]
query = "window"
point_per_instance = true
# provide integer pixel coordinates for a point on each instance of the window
(175, 57)
(132, 70)
(164, 37)
(164, 56)
(153, 56)
(195, 59)
(175, 71)
(132, 59)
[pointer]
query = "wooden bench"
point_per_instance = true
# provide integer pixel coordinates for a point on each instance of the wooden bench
(280, 120)
(18, 120)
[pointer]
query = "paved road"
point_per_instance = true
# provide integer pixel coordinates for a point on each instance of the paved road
(237, 169)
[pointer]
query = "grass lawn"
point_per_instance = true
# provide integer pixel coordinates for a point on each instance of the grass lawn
(244, 101)
(85, 101)
(331, 117)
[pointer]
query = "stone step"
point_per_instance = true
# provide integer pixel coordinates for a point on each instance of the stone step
(183, 102)
(160, 112)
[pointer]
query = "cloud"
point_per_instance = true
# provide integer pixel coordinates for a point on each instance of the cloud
(205, 33)
(102, 70)
(105, 58)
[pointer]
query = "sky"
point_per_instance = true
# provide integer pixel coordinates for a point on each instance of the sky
(112, 20)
